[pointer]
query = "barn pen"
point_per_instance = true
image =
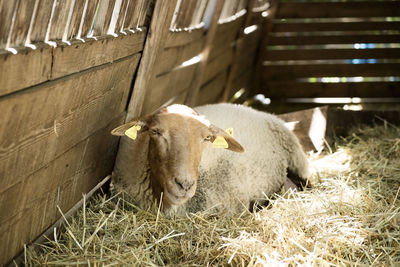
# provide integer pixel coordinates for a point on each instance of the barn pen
(71, 71)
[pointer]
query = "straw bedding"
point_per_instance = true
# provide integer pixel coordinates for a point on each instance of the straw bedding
(352, 217)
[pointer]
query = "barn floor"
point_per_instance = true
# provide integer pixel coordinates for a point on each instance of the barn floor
(350, 217)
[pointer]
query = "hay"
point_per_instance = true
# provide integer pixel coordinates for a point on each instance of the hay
(352, 217)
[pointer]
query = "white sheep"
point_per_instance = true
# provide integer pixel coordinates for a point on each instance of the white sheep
(172, 154)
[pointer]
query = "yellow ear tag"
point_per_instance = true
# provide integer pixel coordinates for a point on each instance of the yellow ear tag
(132, 132)
(220, 142)
(229, 131)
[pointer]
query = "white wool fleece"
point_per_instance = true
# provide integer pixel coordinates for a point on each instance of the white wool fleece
(231, 181)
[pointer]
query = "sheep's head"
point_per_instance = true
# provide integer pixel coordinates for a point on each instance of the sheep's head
(178, 136)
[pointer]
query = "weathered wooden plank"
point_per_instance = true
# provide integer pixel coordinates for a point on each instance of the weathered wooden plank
(7, 9)
(89, 17)
(362, 89)
(22, 21)
(311, 54)
(47, 120)
(132, 14)
(159, 28)
(225, 36)
(331, 39)
(212, 91)
(103, 17)
(75, 22)
(144, 18)
(62, 182)
(179, 15)
(168, 85)
(338, 9)
(28, 67)
(59, 19)
(80, 56)
(184, 37)
(119, 25)
(283, 72)
(218, 64)
(175, 56)
(336, 26)
(41, 21)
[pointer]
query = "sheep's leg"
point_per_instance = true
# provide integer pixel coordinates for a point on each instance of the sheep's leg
(298, 181)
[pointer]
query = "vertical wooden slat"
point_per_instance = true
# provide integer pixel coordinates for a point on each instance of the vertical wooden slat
(201, 68)
(103, 17)
(89, 16)
(199, 12)
(6, 13)
(122, 14)
(21, 24)
(143, 13)
(159, 28)
(76, 19)
(237, 53)
(129, 14)
(41, 21)
(59, 20)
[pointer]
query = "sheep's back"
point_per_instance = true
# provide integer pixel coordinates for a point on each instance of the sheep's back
(227, 177)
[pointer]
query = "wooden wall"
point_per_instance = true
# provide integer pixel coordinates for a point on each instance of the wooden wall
(72, 70)
(319, 48)
(61, 92)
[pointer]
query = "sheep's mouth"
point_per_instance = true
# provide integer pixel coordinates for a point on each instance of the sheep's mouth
(175, 199)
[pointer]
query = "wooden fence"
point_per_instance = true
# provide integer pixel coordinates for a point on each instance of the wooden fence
(321, 48)
(72, 70)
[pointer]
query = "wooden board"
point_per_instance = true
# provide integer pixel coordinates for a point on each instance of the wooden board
(335, 26)
(45, 121)
(80, 56)
(166, 86)
(183, 37)
(174, 56)
(218, 64)
(283, 72)
(338, 9)
(22, 21)
(212, 91)
(27, 68)
(311, 54)
(62, 182)
(332, 39)
(6, 14)
(41, 21)
(362, 89)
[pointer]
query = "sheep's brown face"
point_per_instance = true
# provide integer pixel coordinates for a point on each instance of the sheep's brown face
(178, 136)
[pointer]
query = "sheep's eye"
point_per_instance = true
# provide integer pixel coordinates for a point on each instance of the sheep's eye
(208, 138)
(155, 132)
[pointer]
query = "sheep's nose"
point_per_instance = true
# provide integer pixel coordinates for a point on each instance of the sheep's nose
(184, 184)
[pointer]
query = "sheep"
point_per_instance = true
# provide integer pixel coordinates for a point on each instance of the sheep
(172, 158)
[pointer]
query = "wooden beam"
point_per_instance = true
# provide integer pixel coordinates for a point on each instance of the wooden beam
(198, 79)
(154, 46)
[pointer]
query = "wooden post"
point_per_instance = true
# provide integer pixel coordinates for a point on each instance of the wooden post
(238, 50)
(153, 48)
(198, 78)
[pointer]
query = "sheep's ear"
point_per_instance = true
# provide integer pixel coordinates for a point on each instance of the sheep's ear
(222, 137)
(132, 128)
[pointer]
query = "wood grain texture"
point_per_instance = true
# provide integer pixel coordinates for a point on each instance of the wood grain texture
(362, 89)
(22, 21)
(61, 182)
(154, 46)
(80, 56)
(218, 64)
(27, 68)
(285, 72)
(184, 37)
(212, 91)
(336, 26)
(89, 17)
(59, 19)
(76, 18)
(339, 39)
(7, 9)
(175, 56)
(45, 121)
(338, 9)
(41, 21)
